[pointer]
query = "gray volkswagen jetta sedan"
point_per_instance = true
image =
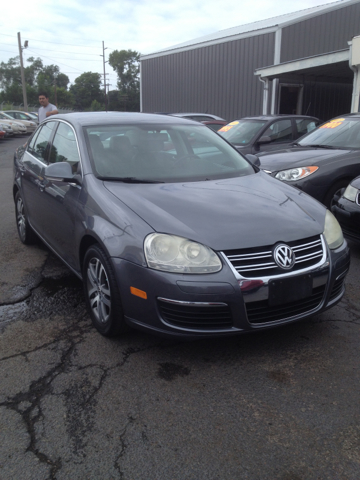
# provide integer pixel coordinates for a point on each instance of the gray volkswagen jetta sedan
(171, 229)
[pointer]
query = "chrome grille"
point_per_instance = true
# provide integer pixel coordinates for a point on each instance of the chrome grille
(256, 262)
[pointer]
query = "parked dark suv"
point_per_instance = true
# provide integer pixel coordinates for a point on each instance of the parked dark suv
(266, 133)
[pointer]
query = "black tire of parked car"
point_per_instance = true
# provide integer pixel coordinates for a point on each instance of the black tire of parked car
(102, 295)
(335, 192)
(26, 233)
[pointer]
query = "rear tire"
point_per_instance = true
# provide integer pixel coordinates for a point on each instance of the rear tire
(334, 193)
(26, 233)
(102, 295)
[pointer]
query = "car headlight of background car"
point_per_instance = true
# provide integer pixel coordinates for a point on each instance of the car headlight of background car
(170, 253)
(351, 193)
(332, 231)
(295, 173)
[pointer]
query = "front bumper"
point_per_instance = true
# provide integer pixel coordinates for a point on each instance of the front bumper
(221, 304)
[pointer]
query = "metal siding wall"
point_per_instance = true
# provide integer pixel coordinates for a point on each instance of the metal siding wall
(218, 79)
(322, 34)
(326, 100)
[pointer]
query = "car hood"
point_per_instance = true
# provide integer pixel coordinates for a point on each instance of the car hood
(226, 214)
(299, 156)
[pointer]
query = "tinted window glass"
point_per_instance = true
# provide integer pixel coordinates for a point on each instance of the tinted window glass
(163, 153)
(199, 118)
(279, 131)
(304, 125)
(339, 132)
(40, 143)
(242, 132)
(22, 116)
(64, 147)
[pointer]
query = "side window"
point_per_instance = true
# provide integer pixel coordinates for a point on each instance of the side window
(39, 145)
(304, 125)
(280, 131)
(64, 147)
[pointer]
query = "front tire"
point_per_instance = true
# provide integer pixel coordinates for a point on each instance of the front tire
(334, 193)
(26, 233)
(102, 295)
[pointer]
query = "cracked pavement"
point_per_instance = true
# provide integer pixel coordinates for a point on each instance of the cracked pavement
(281, 404)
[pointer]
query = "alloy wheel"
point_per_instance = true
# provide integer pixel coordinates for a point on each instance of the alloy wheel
(98, 289)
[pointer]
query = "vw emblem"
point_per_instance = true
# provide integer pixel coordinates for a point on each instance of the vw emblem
(284, 256)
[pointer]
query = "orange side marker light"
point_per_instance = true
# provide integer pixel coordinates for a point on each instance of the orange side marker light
(138, 293)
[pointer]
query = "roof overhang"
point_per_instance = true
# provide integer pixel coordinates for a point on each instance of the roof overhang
(333, 67)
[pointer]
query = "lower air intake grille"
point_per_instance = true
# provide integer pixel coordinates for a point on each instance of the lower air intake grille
(337, 288)
(260, 312)
(196, 317)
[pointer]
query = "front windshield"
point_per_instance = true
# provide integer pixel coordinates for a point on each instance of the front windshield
(5, 116)
(241, 132)
(340, 132)
(162, 153)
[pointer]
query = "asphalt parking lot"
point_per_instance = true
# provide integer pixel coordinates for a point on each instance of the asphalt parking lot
(281, 404)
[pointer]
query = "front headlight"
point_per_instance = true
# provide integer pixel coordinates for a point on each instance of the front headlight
(170, 253)
(351, 193)
(332, 231)
(295, 173)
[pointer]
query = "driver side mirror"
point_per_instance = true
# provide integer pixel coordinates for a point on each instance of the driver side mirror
(60, 172)
(253, 159)
(264, 139)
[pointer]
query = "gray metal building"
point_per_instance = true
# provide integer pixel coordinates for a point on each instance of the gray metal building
(305, 62)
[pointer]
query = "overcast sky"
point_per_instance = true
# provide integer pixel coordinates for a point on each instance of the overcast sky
(70, 33)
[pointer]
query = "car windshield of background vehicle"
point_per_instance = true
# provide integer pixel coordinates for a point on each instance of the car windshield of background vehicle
(5, 116)
(241, 131)
(340, 132)
(156, 153)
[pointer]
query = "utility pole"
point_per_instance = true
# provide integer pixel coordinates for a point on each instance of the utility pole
(55, 90)
(103, 55)
(22, 71)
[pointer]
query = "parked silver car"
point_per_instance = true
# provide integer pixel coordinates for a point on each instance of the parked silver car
(9, 132)
(18, 128)
(23, 118)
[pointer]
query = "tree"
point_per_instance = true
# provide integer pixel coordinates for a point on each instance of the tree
(126, 63)
(10, 73)
(32, 71)
(85, 89)
(49, 75)
(37, 77)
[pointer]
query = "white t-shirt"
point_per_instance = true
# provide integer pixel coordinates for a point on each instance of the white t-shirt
(42, 111)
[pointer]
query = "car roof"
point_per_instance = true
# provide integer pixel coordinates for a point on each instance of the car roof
(15, 111)
(125, 118)
(274, 116)
(355, 114)
(196, 114)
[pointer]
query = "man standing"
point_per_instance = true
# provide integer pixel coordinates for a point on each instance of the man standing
(46, 108)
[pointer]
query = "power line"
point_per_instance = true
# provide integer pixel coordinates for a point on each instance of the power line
(57, 43)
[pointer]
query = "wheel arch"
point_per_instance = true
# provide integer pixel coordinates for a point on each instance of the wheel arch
(86, 242)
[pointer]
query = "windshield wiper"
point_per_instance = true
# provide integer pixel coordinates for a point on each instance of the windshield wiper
(133, 180)
(321, 146)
